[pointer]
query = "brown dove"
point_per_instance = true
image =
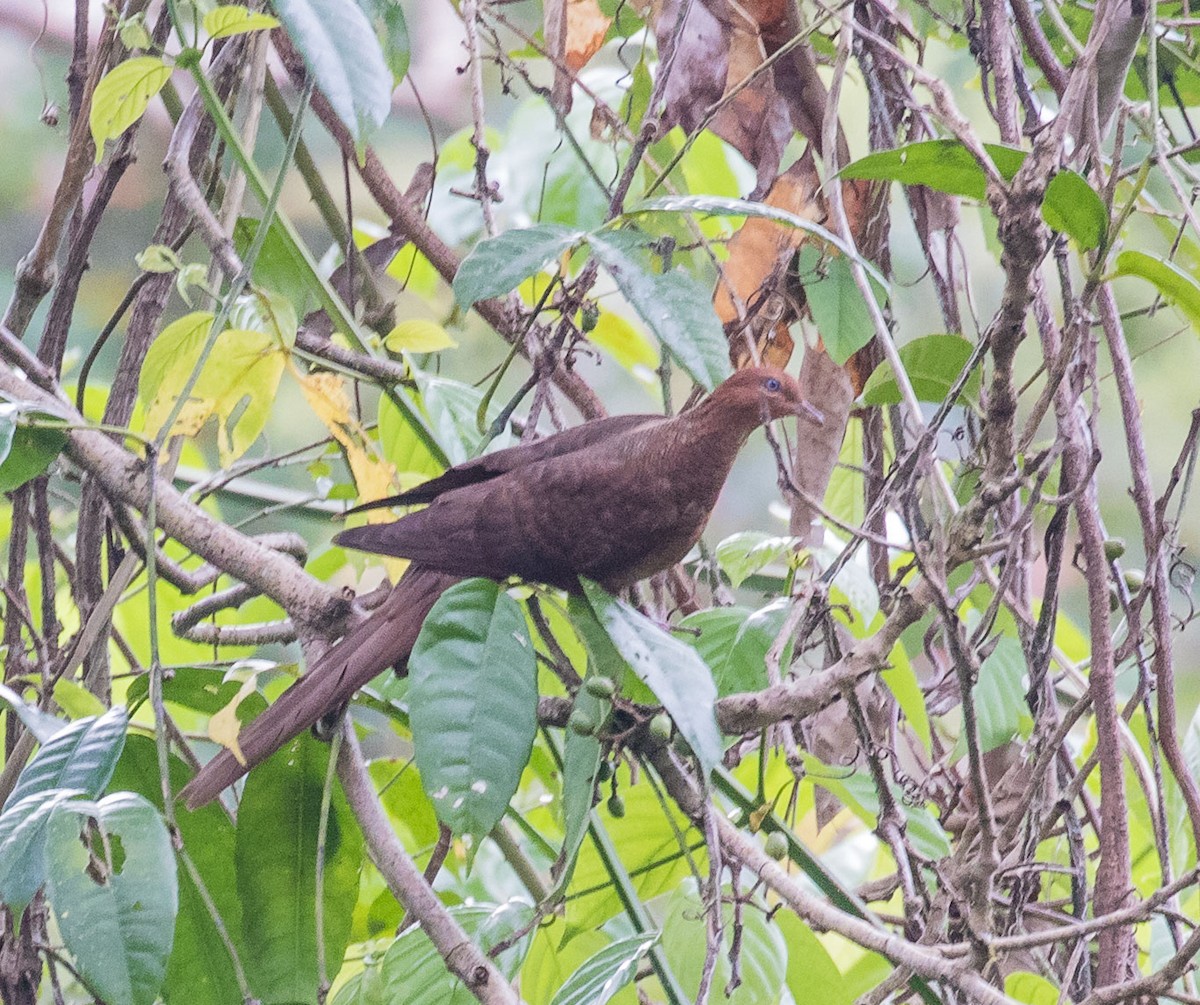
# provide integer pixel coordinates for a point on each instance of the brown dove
(614, 500)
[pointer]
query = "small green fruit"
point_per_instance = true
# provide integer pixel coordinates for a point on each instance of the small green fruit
(604, 772)
(1135, 579)
(616, 806)
(1114, 548)
(581, 723)
(600, 687)
(777, 845)
(660, 727)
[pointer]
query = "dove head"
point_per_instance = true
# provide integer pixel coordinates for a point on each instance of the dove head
(764, 393)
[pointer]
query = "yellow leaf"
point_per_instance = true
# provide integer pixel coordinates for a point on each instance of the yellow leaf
(330, 401)
(233, 19)
(624, 343)
(375, 479)
(327, 397)
(245, 369)
(171, 358)
(122, 95)
(418, 336)
(237, 384)
(224, 726)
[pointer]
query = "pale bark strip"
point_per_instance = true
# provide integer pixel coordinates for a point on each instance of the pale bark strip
(1158, 544)
(463, 958)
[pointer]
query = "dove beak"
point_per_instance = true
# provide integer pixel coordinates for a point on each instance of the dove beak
(806, 411)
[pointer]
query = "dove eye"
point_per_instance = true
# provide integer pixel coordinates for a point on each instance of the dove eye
(771, 384)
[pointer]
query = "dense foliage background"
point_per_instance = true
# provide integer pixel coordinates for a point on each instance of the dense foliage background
(914, 722)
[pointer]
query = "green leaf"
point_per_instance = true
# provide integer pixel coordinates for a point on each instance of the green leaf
(122, 95)
(75, 700)
(712, 633)
(200, 971)
(927, 835)
(115, 897)
(838, 308)
(812, 976)
(234, 19)
(647, 837)
(1000, 708)
(498, 265)
(581, 761)
(26, 450)
(762, 952)
(846, 494)
(1070, 204)
(1072, 207)
(746, 667)
(132, 32)
(473, 704)
(344, 55)
(943, 165)
(202, 689)
(743, 554)
(933, 363)
(1031, 988)
(33, 451)
(388, 18)
(365, 988)
(906, 689)
(81, 756)
(417, 335)
(276, 860)
(866, 972)
(414, 972)
(854, 581)
(671, 669)
(855, 790)
(674, 305)
(1177, 286)
(557, 951)
(276, 267)
(402, 447)
(453, 408)
(23, 828)
(603, 975)
(238, 386)
(734, 641)
(409, 810)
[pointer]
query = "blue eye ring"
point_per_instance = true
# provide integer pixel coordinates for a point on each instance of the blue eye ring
(772, 384)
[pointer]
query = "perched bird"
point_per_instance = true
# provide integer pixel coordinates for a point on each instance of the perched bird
(614, 500)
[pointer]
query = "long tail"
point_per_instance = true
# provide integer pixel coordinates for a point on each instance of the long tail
(384, 639)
